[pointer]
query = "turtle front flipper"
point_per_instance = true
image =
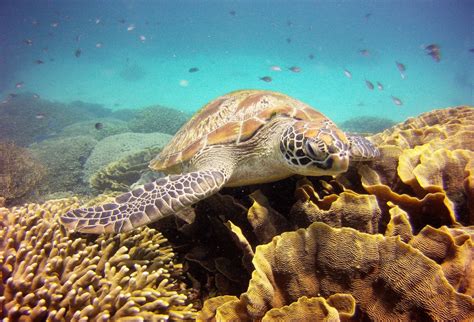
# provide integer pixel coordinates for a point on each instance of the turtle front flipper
(361, 149)
(146, 204)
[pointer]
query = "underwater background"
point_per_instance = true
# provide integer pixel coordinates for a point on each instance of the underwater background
(131, 54)
(92, 91)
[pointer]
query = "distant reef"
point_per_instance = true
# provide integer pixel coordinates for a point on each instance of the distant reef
(367, 124)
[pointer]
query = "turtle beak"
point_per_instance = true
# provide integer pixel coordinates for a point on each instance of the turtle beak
(340, 162)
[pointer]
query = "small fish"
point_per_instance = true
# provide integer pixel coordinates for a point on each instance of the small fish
(347, 73)
(45, 49)
(289, 23)
(34, 22)
(436, 55)
(99, 126)
(275, 68)
(28, 42)
(367, 16)
(121, 20)
(99, 45)
(18, 85)
(401, 68)
(40, 116)
(142, 38)
(471, 50)
(232, 13)
(434, 51)
(12, 95)
(35, 96)
(432, 47)
(55, 24)
(369, 84)
(295, 69)
(380, 86)
(193, 69)
(77, 38)
(364, 52)
(397, 101)
(39, 62)
(183, 83)
(311, 56)
(266, 79)
(78, 52)
(131, 27)
(288, 40)
(97, 21)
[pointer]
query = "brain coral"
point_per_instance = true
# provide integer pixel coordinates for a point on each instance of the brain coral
(50, 275)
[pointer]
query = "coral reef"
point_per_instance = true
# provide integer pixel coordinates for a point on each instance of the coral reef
(366, 124)
(64, 160)
(25, 119)
(110, 126)
(158, 119)
(372, 268)
(118, 146)
(391, 239)
(20, 172)
(122, 174)
(48, 274)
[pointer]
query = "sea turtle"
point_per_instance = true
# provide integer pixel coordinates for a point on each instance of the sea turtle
(242, 138)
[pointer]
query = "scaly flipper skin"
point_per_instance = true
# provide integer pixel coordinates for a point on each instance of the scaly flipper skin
(362, 149)
(146, 204)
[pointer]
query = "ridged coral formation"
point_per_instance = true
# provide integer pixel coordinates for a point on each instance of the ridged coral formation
(429, 161)
(372, 268)
(50, 275)
(20, 172)
(120, 175)
(119, 146)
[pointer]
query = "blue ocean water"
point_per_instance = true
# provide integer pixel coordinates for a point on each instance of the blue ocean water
(131, 54)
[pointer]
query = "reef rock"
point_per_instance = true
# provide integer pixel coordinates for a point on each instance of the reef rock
(20, 172)
(64, 160)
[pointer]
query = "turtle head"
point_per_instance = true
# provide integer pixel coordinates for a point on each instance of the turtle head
(315, 148)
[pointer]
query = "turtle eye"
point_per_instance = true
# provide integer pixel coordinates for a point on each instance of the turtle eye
(316, 149)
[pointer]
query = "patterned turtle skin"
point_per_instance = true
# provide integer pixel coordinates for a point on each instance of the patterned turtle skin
(242, 138)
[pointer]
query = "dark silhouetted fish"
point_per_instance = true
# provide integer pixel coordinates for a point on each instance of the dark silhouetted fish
(311, 56)
(99, 126)
(397, 101)
(19, 84)
(295, 69)
(369, 84)
(380, 86)
(367, 16)
(78, 53)
(471, 50)
(364, 52)
(29, 42)
(232, 13)
(434, 51)
(193, 69)
(266, 79)
(39, 62)
(288, 40)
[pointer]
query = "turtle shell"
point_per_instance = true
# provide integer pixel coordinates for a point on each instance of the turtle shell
(232, 118)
